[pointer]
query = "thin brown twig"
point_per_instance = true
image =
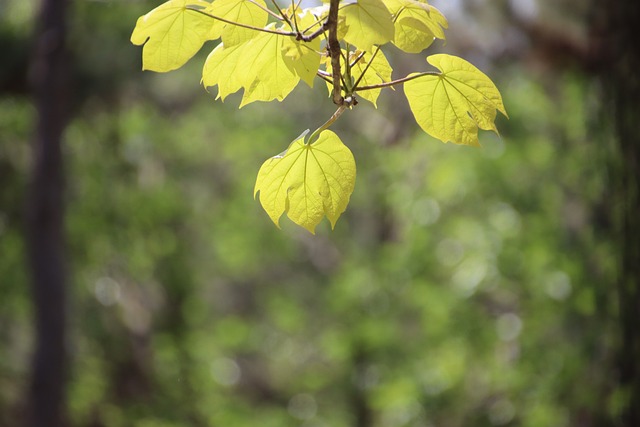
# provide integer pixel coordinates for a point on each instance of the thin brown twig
(323, 28)
(320, 22)
(352, 64)
(324, 76)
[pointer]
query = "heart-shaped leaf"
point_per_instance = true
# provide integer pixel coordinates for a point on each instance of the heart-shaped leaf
(452, 105)
(308, 181)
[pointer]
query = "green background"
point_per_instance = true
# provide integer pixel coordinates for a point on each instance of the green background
(462, 286)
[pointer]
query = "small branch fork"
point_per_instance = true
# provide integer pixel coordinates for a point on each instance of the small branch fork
(334, 78)
(333, 44)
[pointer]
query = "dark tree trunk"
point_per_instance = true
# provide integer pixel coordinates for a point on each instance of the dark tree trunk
(622, 87)
(360, 408)
(46, 400)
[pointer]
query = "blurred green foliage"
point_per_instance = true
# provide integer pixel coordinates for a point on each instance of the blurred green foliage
(462, 287)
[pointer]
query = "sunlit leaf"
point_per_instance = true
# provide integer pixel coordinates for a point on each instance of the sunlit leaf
(246, 12)
(308, 181)
(304, 56)
(266, 73)
(171, 34)
(258, 65)
(378, 72)
(221, 69)
(321, 13)
(416, 25)
(368, 23)
(451, 106)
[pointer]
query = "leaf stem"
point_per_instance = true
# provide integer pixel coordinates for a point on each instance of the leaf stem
(316, 133)
(280, 17)
(366, 68)
(249, 27)
(395, 82)
(347, 81)
(353, 64)
(295, 16)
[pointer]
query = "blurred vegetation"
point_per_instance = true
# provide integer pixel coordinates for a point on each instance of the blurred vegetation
(462, 287)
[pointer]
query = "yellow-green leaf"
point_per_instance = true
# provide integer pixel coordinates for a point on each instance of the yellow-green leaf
(265, 71)
(451, 106)
(322, 12)
(378, 72)
(368, 23)
(171, 34)
(308, 181)
(240, 11)
(304, 56)
(258, 65)
(221, 69)
(416, 25)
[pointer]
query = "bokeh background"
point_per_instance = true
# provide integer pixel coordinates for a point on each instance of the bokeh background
(462, 287)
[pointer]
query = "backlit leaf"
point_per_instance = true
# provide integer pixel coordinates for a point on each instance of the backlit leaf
(304, 56)
(308, 181)
(378, 72)
(171, 34)
(416, 25)
(322, 12)
(368, 23)
(221, 69)
(258, 65)
(451, 106)
(240, 11)
(266, 73)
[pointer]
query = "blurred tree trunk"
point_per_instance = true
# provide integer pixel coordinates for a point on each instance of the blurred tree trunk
(49, 70)
(622, 88)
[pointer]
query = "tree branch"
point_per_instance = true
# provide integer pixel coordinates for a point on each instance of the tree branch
(316, 33)
(334, 50)
(44, 222)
